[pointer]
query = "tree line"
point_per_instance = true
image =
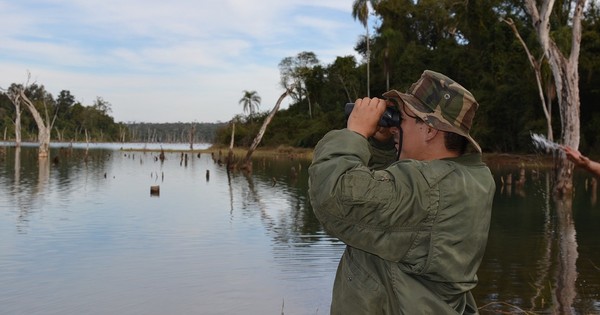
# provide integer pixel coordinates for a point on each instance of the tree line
(178, 132)
(471, 42)
(73, 121)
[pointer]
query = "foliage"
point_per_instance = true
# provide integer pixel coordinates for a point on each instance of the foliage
(251, 102)
(465, 40)
(297, 74)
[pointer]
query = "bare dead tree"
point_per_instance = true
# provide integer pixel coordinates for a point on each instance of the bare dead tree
(44, 125)
(122, 132)
(230, 152)
(247, 162)
(192, 131)
(566, 79)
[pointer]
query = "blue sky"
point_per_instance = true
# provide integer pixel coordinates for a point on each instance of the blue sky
(168, 61)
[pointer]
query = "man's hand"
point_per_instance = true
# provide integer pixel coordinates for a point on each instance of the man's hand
(366, 115)
(576, 157)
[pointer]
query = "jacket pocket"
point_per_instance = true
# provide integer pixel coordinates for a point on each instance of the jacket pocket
(356, 275)
(355, 290)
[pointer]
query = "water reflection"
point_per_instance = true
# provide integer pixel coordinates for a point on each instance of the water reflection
(534, 258)
(82, 230)
(17, 168)
(566, 272)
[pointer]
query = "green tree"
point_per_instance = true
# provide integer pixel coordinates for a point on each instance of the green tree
(250, 101)
(102, 106)
(589, 67)
(64, 104)
(295, 72)
(64, 101)
(342, 75)
(360, 11)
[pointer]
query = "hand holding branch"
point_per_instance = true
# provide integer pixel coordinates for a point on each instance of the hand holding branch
(582, 161)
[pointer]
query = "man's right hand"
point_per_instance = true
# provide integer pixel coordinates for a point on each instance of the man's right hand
(366, 115)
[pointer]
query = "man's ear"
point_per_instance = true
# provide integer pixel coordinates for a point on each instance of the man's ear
(430, 133)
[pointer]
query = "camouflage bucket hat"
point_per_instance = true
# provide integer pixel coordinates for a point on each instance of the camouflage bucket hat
(441, 103)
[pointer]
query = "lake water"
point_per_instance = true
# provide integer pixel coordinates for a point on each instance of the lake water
(82, 234)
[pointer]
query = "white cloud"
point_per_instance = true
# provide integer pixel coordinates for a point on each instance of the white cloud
(158, 61)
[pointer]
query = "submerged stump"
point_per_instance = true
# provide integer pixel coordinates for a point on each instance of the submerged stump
(155, 190)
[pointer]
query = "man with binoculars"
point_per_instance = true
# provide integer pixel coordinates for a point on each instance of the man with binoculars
(410, 202)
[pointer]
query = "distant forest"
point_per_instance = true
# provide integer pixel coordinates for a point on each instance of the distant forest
(76, 122)
(172, 132)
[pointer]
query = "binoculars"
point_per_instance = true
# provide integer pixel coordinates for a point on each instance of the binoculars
(390, 118)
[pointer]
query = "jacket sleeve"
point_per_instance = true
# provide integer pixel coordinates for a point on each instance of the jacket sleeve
(361, 207)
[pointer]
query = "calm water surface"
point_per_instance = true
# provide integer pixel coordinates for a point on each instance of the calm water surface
(83, 235)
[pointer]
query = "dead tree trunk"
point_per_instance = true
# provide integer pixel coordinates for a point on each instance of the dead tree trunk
(247, 162)
(13, 95)
(566, 78)
(309, 103)
(17, 122)
(192, 131)
(229, 161)
(44, 127)
(122, 133)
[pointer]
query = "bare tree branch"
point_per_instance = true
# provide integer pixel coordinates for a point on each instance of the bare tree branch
(537, 69)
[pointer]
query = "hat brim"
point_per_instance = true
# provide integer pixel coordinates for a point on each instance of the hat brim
(426, 114)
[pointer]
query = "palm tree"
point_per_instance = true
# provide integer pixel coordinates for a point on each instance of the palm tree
(251, 101)
(360, 11)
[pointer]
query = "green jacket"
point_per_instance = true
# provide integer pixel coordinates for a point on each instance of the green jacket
(415, 231)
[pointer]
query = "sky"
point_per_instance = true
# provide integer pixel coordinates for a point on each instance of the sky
(168, 61)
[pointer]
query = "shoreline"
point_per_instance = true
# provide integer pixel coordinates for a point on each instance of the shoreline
(492, 159)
